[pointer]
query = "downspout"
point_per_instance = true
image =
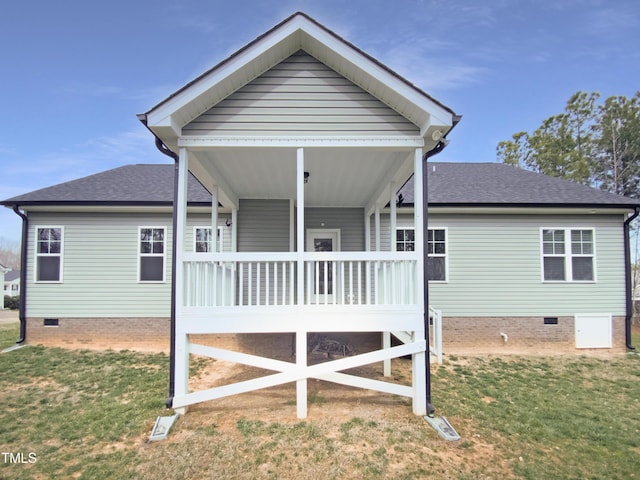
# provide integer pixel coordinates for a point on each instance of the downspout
(627, 277)
(172, 354)
(23, 275)
(425, 202)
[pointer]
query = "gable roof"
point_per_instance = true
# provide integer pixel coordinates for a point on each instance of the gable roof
(12, 276)
(501, 185)
(130, 185)
(450, 185)
(298, 32)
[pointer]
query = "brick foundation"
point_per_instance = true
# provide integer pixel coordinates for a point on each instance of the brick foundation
(460, 335)
(119, 333)
(524, 335)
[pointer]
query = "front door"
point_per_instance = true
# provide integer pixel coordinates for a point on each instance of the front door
(321, 276)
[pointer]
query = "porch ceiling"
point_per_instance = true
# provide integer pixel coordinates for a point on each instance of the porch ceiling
(337, 177)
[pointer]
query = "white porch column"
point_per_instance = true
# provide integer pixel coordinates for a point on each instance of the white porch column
(386, 336)
(377, 227)
(301, 332)
(214, 219)
(418, 359)
(234, 229)
(393, 220)
(181, 347)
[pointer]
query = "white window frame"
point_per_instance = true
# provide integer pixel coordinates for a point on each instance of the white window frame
(163, 254)
(444, 255)
(568, 254)
(37, 254)
(402, 229)
(219, 239)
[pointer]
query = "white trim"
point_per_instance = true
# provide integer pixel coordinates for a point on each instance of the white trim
(59, 255)
(568, 255)
(446, 253)
(154, 255)
(206, 141)
(311, 234)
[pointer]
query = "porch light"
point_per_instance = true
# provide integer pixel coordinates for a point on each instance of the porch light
(306, 177)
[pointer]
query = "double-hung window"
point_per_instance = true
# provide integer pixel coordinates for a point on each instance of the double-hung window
(437, 255)
(152, 254)
(405, 240)
(204, 241)
(568, 255)
(436, 250)
(49, 254)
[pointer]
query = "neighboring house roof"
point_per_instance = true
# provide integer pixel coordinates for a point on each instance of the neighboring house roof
(450, 184)
(12, 276)
(145, 184)
(4, 269)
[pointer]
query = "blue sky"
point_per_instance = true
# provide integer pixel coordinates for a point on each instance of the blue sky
(75, 73)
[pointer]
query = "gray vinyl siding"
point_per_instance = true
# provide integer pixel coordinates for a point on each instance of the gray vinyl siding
(495, 268)
(402, 221)
(300, 96)
(263, 225)
(100, 268)
(350, 221)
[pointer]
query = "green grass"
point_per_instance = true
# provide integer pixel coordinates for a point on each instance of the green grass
(88, 414)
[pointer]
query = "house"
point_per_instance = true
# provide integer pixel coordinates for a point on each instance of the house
(314, 155)
(12, 283)
(3, 272)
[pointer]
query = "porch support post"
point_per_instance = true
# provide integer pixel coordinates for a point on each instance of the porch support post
(377, 226)
(214, 219)
(181, 347)
(234, 229)
(367, 232)
(386, 336)
(420, 360)
(301, 332)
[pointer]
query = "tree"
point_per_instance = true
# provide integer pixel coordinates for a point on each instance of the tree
(618, 145)
(598, 145)
(9, 253)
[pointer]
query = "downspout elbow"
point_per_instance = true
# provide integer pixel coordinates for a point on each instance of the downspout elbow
(628, 283)
(23, 275)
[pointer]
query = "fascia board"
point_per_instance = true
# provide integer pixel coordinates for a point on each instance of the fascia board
(325, 47)
(201, 85)
(317, 41)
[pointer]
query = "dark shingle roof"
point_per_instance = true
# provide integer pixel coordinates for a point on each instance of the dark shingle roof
(497, 184)
(12, 275)
(127, 185)
(450, 184)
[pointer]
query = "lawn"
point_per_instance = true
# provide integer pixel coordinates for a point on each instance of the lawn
(86, 414)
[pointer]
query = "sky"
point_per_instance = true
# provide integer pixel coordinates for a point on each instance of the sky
(75, 73)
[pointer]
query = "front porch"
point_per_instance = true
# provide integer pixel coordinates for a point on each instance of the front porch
(303, 141)
(312, 288)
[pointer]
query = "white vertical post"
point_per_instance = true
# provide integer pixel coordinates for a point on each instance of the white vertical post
(301, 332)
(367, 246)
(214, 219)
(377, 227)
(386, 336)
(292, 222)
(234, 229)
(418, 359)
(393, 221)
(181, 347)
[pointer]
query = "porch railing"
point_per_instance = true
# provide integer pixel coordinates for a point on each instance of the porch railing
(270, 279)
